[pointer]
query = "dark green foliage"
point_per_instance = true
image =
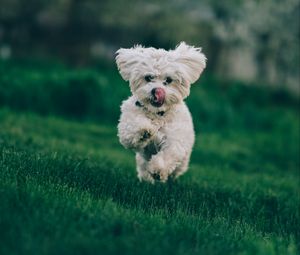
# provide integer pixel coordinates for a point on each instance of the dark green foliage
(97, 94)
(68, 187)
(58, 90)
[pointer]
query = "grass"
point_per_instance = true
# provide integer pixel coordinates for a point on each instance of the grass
(68, 187)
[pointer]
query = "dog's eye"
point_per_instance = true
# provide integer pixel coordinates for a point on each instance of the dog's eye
(168, 80)
(149, 78)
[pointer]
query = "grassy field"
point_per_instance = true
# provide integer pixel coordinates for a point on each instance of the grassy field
(68, 187)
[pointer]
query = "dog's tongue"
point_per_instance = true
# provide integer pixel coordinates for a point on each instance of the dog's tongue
(159, 96)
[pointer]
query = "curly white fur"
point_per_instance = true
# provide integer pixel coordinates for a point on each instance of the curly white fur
(161, 132)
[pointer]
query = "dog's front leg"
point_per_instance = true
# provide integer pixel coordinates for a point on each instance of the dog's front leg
(164, 163)
(134, 136)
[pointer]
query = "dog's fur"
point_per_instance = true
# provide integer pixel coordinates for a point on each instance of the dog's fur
(159, 128)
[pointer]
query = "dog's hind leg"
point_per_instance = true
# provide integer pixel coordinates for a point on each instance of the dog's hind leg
(167, 160)
(143, 174)
(181, 169)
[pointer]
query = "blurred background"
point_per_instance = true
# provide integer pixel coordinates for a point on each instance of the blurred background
(69, 187)
(252, 41)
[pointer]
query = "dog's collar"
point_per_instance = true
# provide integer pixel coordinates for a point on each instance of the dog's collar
(138, 104)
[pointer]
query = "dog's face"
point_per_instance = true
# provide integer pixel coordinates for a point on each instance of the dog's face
(159, 78)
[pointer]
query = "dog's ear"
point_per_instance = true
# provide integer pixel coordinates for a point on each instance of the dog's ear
(192, 61)
(127, 59)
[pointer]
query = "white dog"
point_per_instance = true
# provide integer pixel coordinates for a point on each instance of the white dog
(155, 122)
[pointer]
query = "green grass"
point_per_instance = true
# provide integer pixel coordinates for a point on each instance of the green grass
(68, 187)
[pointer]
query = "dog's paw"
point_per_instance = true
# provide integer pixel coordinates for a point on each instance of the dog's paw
(143, 138)
(145, 135)
(146, 176)
(156, 168)
(140, 139)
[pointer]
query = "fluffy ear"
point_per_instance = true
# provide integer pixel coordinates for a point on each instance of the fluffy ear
(127, 59)
(192, 61)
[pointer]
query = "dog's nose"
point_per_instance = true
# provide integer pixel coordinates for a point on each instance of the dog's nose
(158, 97)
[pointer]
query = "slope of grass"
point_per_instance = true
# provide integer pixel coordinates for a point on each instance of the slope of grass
(70, 188)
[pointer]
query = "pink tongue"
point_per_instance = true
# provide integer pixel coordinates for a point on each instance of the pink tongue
(159, 95)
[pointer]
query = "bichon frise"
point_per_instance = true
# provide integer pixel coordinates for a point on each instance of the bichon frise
(155, 122)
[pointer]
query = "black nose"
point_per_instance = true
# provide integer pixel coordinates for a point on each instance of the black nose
(153, 92)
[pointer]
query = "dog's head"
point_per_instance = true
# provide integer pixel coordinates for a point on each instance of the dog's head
(160, 78)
